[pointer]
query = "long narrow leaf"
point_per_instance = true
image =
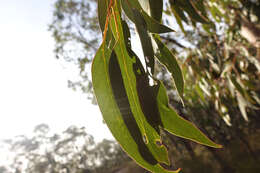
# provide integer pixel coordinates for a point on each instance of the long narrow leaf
(166, 57)
(145, 38)
(126, 64)
(190, 7)
(118, 123)
(178, 126)
(156, 8)
(153, 26)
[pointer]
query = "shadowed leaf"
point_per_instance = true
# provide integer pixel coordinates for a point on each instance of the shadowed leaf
(153, 26)
(166, 57)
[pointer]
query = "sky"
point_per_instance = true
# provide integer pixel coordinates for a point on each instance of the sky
(33, 84)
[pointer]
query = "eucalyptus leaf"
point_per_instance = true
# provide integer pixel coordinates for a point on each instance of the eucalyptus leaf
(145, 39)
(179, 16)
(176, 125)
(189, 6)
(153, 26)
(116, 113)
(167, 58)
(126, 63)
(156, 8)
(102, 13)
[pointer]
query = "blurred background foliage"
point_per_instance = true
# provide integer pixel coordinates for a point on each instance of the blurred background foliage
(73, 150)
(220, 60)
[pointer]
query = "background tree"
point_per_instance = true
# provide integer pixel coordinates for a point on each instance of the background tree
(72, 151)
(76, 32)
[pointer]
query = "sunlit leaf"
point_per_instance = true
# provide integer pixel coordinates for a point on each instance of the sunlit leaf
(242, 90)
(167, 58)
(116, 111)
(242, 104)
(216, 14)
(126, 64)
(176, 125)
(102, 13)
(153, 26)
(145, 39)
(179, 16)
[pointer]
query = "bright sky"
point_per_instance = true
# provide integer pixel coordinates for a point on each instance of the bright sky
(33, 84)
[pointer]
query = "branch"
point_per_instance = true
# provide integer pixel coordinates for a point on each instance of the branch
(173, 41)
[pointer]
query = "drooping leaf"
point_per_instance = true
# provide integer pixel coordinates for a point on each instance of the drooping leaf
(102, 13)
(145, 39)
(119, 120)
(167, 58)
(179, 16)
(216, 13)
(237, 86)
(242, 104)
(147, 97)
(122, 87)
(145, 5)
(153, 26)
(200, 8)
(190, 7)
(156, 8)
(178, 11)
(127, 35)
(129, 79)
(102, 17)
(148, 105)
(176, 125)
(200, 93)
(241, 89)
(122, 101)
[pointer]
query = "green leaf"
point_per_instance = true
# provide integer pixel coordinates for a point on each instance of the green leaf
(179, 16)
(190, 7)
(200, 93)
(133, 110)
(216, 14)
(123, 104)
(102, 13)
(152, 25)
(116, 112)
(166, 57)
(102, 17)
(145, 39)
(147, 97)
(200, 8)
(156, 8)
(126, 64)
(176, 125)
(241, 89)
(178, 11)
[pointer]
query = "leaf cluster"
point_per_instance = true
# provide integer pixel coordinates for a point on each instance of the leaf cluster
(133, 102)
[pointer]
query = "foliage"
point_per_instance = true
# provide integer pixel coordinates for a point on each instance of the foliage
(220, 67)
(31, 154)
(135, 111)
(74, 28)
(72, 151)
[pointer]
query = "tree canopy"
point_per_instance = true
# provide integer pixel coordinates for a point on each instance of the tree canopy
(73, 150)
